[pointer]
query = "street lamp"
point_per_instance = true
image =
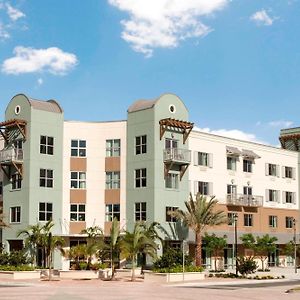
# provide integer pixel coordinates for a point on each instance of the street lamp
(183, 258)
(295, 244)
(235, 218)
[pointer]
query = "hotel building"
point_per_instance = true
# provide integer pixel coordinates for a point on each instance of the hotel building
(83, 174)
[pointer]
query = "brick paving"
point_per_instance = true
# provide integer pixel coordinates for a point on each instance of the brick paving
(123, 289)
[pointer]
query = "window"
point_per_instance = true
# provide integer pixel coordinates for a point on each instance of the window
(247, 190)
(247, 165)
(289, 222)
(231, 163)
(288, 172)
(288, 197)
(140, 178)
(16, 181)
(78, 180)
(140, 211)
(1, 188)
(248, 220)
(231, 218)
(78, 148)
(46, 178)
(171, 181)
(46, 145)
(272, 196)
(273, 221)
(231, 189)
(140, 144)
(272, 170)
(45, 211)
(203, 159)
(77, 212)
(169, 218)
(202, 187)
(112, 211)
(112, 180)
(171, 144)
(15, 214)
(113, 148)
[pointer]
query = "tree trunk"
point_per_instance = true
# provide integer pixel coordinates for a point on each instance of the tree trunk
(198, 249)
(133, 270)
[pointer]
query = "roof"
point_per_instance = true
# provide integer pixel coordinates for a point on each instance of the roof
(233, 151)
(141, 105)
(50, 105)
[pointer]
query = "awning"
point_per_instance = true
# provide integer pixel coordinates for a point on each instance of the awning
(249, 154)
(233, 151)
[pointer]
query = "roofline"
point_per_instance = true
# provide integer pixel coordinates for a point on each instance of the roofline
(239, 140)
(94, 122)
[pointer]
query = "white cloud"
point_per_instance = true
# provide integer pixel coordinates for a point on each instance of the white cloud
(164, 23)
(232, 133)
(40, 81)
(3, 32)
(30, 60)
(262, 18)
(281, 123)
(14, 13)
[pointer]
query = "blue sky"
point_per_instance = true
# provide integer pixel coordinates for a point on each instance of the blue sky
(236, 64)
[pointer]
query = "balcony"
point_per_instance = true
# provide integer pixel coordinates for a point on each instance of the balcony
(11, 155)
(244, 200)
(179, 156)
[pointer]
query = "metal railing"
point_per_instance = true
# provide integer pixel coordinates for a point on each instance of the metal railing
(177, 155)
(11, 154)
(244, 200)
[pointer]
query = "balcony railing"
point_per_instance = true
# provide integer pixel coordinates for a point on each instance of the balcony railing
(11, 154)
(244, 200)
(177, 155)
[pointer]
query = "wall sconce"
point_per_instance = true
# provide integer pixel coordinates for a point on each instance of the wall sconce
(248, 183)
(232, 181)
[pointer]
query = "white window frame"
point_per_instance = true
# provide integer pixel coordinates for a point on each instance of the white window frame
(203, 159)
(16, 182)
(78, 181)
(15, 214)
(140, 144)
(78, 148)
(247, 165)
(76, 214)
(272, 170)
(231, 218)
(288, 172)
(140, 211)
(112, 211)
(248, 220)
(140, 177)
(289, 222)
(172, 181)
(273, 221)
(272, 195)
(113, 148)
(170, 218)
(47, 146)
(231, 163)
(201, 186)
(113, 180)
(47, 178)
(47, 212)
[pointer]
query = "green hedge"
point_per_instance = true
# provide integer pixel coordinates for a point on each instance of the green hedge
(16, 268)
(178, 269)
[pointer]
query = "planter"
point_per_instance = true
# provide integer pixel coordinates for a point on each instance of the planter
(173, 277)
(20, 274)
(79, 274)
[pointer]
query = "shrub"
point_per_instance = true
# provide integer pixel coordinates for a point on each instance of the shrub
(82, 265)
(98, 266)
(14, 258)
(246, 265)
(16, 268)
(171, 258)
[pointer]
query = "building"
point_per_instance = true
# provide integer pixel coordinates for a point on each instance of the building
(83, 174)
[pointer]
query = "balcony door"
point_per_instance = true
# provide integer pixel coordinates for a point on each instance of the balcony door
(171, 144)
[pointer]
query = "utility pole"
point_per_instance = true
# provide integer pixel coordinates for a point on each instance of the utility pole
(235, 242)
(295, 244)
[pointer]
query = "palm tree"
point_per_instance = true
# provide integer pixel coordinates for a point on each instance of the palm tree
(95, 242)
(136, 242)
(33, 240)
(200, 214)
(113, 245)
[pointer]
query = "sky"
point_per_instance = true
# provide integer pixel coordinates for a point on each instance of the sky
(235, 64)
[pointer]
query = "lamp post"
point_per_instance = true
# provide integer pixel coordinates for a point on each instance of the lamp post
(295, 244)
(183, 259)
(235, 218)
